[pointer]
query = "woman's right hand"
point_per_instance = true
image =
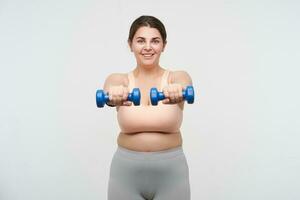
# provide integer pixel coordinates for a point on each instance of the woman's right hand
(118, 96)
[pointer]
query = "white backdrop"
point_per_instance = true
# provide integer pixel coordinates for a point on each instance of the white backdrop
(240, 137)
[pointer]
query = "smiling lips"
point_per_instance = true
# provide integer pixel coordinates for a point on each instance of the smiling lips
(148, 55)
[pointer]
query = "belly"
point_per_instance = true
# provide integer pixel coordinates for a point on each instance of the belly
(149, 141)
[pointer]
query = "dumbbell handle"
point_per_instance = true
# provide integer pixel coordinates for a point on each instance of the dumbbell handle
(161, 95)
(187, 94)
(106, 96)
(102, 97)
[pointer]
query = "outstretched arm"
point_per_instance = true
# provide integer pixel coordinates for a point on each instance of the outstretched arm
(178, 81)
(182, 78)
(116, 85)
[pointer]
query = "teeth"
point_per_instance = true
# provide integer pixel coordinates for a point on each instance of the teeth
(147, 55)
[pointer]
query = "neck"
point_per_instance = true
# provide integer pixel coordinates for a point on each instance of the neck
(148, 71)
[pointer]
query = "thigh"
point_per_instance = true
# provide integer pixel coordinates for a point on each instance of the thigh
(176, 184)
(125, 179)
(118, 191)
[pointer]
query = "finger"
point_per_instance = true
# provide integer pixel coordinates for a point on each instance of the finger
(120, 99)
(181, 94)
(180, 91)
(119, 95)
(166, 93)
(172, 97)
(127, 103)
(112, 98)
(125, 95)
(166, 101)
(178, 95)
(176, 98)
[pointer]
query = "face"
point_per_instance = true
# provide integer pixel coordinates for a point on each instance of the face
(147, 45)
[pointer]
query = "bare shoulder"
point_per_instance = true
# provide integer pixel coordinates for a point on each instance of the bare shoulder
(180, 76)
(116, 79)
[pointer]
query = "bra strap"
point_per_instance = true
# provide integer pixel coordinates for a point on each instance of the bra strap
(131, 83)
(164, 79)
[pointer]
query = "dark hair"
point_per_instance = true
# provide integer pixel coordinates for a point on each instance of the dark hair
(150, 21)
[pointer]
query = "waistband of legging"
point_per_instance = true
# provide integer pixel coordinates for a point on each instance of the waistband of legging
(153, 155)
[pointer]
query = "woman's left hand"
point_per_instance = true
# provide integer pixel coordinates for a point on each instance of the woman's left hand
(173, 93)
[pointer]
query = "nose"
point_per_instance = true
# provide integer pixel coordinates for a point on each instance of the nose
(147, 46)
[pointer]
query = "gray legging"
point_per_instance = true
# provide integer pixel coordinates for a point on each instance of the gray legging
(160, 175)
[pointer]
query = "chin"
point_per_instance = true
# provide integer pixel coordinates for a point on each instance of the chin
(148, 64)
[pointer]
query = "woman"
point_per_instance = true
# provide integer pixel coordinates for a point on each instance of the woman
(149, 162)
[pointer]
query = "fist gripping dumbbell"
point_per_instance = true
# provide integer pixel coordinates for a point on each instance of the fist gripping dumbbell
(187, 94)
(102, 97)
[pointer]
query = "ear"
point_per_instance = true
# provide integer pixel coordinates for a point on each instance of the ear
(164, 46)
(129, 44)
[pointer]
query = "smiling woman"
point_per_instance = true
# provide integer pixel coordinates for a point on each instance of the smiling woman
(150, 135)
(147, 46)
(147, 39)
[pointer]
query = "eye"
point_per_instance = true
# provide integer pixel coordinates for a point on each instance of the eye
(140, 41)
(156, 41)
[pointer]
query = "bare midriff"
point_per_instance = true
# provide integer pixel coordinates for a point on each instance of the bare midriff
(149, 141)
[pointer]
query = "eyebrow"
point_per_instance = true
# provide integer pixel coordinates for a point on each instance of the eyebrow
(152, 38)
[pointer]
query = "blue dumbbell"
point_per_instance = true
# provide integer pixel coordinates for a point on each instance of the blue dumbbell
(102, 97)
(188, 95)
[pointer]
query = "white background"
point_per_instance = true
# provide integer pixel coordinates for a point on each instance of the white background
(241, 135)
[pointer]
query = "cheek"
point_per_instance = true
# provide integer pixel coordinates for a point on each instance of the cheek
(136, 48)
(158, 49)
